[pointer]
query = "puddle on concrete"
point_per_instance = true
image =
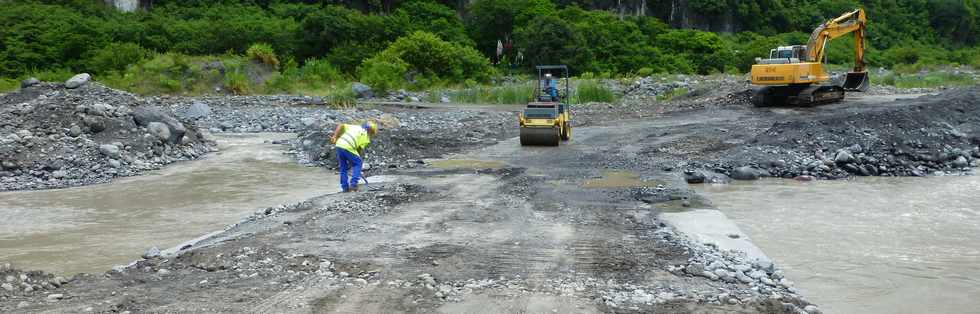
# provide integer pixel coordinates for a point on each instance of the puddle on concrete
(465, 164)
(618, 179)
(90, 229)
(868, 245)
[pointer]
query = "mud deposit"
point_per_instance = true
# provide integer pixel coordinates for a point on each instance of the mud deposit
(90, 229)
(869, 245)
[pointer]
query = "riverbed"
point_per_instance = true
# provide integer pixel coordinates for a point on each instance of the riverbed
(867, 245)
(92, 228)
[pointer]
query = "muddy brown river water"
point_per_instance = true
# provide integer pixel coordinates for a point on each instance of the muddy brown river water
(868, 245)
(90, 229)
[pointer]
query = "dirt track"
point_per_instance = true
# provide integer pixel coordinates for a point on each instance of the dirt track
(512, 229)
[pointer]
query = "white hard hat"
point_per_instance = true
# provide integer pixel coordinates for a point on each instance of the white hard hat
(547, 74)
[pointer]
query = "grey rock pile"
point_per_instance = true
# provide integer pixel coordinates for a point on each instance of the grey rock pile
(405, 137)
(15, 283)
(647, 87)
(53, 137)
(939, 134)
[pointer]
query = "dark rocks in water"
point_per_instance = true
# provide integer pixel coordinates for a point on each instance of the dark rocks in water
(745, 173)
(804, 178)
(694, 176)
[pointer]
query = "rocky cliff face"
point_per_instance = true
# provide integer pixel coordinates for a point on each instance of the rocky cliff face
(677, 13)
(681, 15)
(129, 5)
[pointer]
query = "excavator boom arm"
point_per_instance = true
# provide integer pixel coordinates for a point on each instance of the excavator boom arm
(851, 22)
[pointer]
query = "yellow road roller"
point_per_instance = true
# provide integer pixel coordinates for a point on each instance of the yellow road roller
(547, 120)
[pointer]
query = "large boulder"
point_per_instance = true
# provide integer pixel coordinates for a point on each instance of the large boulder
(843, 157)
(362, 91)
(317, 146)
(109, 150)
(198, 110)
(694, 176)
(745, 173)
(29, 82)
(77, 81)
(961, 162)
(147, 114)
(162, 131)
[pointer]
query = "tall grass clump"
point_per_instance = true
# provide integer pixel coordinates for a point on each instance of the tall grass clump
(8, 85)
(319, 71)
(507, 94)
(263, 53)
(342, 96)
(671, 94)
(930, 80)
(592, 91)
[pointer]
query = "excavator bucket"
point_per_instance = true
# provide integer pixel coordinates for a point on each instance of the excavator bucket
(856, 82)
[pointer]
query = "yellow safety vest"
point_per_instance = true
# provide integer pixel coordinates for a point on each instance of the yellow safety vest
(353, 138)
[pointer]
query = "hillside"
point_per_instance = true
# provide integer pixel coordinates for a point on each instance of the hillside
(347, 40)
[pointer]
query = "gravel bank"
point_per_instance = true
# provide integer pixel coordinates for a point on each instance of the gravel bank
(55, 137)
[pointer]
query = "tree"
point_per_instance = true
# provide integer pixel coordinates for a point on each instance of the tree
(551, 40)
(432, 17)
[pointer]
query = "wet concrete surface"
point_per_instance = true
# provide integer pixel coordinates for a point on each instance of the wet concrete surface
(868, 245)
(92, 228)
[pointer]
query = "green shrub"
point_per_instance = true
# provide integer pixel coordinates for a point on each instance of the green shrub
(53, 75)
(429, 59)
(644, 72)
(280, 83)
(318, 71)
(887, 80)
(592, 91)
(115, 57)
(432, 57)
(8, 85)
(383, 73)
(263, 53)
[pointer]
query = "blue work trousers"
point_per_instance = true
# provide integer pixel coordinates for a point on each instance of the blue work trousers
(348, 160)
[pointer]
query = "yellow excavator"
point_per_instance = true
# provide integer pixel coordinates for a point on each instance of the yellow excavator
(795, 75)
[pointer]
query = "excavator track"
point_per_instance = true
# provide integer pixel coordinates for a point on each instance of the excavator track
(797, 96)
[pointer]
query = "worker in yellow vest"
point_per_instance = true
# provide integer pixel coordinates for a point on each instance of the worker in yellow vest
(350, 140)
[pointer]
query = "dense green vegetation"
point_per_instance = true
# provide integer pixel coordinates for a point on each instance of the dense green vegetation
(269, 46)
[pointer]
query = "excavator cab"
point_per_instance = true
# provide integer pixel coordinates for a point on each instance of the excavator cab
(784, 55)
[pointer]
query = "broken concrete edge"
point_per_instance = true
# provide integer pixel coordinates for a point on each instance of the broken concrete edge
(711, 227)
(188, 245)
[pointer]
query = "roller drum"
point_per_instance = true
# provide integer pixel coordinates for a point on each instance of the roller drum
(540, 136)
